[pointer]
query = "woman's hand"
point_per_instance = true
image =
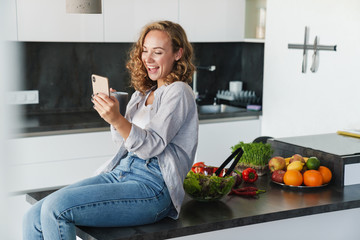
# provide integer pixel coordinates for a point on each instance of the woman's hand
(107, 107)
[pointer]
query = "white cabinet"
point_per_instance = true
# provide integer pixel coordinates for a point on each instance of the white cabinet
(8, 18)
(51, 161)
(44, 20)
(216, 139)
(213, 20)
(123, 19)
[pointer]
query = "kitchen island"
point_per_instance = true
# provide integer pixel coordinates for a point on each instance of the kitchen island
(280, 209)
(234, 213)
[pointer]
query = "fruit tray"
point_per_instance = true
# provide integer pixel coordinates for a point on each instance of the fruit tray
(298, 187)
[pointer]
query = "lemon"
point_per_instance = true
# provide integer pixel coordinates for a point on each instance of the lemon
(297, 165)
(313, 163)
(287, 160)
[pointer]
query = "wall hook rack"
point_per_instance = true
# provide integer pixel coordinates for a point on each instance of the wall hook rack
(316, 47)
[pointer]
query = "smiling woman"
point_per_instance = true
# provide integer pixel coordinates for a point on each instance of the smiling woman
(157, 139)
(152, 42)
(158, 56)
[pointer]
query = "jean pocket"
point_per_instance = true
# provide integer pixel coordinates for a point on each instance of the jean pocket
(153, 167)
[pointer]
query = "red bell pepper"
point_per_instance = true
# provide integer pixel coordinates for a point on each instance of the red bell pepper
(249, 175)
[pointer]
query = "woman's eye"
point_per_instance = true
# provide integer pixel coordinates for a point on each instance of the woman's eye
(158, 53)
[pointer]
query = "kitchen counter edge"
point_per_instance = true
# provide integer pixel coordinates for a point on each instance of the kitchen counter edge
(102, 126)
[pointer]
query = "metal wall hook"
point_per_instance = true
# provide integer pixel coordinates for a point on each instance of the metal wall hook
(305, 47)
(311, 47)
(315, 57)
(304, 62)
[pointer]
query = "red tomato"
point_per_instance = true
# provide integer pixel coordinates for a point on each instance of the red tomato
(199, 164)
(198, 167)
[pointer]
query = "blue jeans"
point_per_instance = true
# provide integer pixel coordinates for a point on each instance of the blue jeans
(134, 193)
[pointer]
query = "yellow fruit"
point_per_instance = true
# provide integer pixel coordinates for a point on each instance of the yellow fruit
(287, 160)
(305, 159)
(297, 165)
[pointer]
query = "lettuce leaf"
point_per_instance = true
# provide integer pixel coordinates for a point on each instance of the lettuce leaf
(203, 187)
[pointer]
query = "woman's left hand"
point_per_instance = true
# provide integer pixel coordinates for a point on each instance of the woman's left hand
(107, 107)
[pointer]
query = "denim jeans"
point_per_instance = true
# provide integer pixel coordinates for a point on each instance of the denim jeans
(134, 193)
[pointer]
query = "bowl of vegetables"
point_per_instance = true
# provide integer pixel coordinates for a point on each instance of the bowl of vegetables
(202, 184)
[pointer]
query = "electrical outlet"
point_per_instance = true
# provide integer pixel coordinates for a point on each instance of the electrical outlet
(23, 97)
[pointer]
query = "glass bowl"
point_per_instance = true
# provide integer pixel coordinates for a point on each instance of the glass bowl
(206, 188)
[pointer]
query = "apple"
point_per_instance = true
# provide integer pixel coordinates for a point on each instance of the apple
(297, 157)
(277, 163)
(278, 176)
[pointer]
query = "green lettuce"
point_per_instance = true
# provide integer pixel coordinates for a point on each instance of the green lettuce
(202, 187)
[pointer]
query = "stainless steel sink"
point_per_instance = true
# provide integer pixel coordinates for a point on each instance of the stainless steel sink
(219, 108)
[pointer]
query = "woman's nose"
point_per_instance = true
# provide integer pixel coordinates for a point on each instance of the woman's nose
(148, 58)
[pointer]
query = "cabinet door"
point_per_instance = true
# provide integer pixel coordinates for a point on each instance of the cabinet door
(8, 20)
(48, 161)
(213, 20)
(216, 139)
(44, 20)
(123, 19)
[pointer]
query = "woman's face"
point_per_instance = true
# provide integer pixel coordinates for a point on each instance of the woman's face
(158, 56)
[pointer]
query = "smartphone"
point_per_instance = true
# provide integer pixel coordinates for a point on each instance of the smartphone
(100, 84)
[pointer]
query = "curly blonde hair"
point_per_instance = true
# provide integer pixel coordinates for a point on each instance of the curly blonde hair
(182, 69)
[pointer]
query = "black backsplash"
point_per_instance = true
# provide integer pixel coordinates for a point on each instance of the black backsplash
(234, 62)
(61, 71)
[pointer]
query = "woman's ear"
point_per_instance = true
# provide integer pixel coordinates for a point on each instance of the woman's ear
(179, 54)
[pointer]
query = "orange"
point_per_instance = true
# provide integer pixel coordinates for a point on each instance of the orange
(293, 178)
(313, 178)
(326, 174)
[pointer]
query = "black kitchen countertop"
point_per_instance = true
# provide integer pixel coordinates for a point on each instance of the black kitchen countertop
(334, 151)
(75, 122)
(233, 211)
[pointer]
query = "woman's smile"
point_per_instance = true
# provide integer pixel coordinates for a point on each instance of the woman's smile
(152, 69)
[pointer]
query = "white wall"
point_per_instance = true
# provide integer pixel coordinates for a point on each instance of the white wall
(301, 104)
(9, 65)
